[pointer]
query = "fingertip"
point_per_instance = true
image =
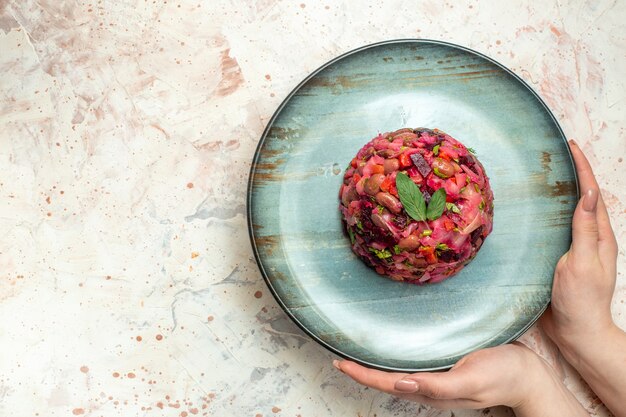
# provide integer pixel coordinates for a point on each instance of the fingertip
(347, 367)
(573, 142)
(590, 200)
(406, 385)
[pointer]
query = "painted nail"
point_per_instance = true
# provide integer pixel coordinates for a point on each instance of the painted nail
(573, 142)
(406, 385)
(590, 200)
(336, 364)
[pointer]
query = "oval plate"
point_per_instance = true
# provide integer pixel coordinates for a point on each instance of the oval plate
(295, 226)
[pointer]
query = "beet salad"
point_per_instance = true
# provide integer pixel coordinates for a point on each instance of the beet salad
(416, 204)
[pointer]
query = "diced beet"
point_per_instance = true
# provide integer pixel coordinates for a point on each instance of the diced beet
(446, 256)
(449, 256)
(401, 221)
(421, 164)
(467, 160)
(366, 204)
(426, 196)
(476, 234)
(430, 146)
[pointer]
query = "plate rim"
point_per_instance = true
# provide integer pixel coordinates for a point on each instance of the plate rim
(257, 154)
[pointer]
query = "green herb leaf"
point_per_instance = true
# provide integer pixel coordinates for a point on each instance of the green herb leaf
(453, 208)
(381, 254)
(396, 249)
(471, 150)
(436, 150)
(380, 209)
(481, 205)
(411, 197)
(442, 246)
(351, 234)
(359, 224)
(437, 204)
(426, 233)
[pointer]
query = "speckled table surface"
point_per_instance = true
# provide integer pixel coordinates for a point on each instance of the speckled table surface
(126, 134)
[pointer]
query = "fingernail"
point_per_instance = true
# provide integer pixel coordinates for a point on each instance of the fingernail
(573, 142)
(406, 385)
(590, 200)
(336, 364)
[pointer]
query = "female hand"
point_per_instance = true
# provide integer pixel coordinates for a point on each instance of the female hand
(584, 278)
(509, 375)
(579, 320)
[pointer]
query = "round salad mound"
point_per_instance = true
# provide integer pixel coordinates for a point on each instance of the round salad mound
(416, 204)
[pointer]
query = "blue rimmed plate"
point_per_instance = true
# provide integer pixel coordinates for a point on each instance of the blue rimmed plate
(295, 226)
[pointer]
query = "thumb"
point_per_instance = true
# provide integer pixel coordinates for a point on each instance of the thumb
(585, 225)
